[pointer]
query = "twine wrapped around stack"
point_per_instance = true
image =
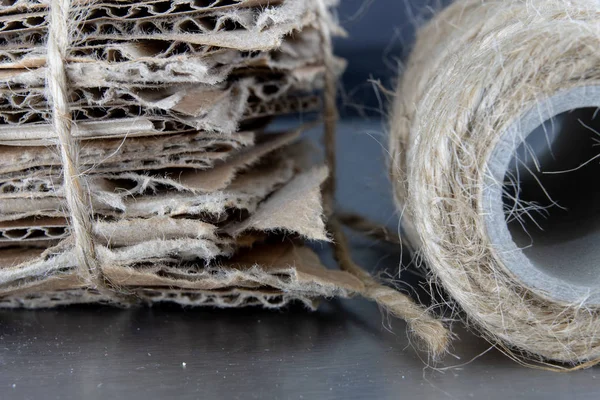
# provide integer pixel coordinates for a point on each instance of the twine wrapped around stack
(172, 188)
(136, 165)
(492, 132)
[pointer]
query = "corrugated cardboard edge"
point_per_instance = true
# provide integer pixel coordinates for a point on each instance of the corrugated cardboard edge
(283, 270)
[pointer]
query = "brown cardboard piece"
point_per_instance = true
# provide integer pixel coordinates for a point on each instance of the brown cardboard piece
(243, 193)
(284, 269)
(191, 150)
(193, 108)
(217, 175)
(260, 28)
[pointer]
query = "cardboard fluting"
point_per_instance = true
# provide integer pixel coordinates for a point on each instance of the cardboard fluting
(193, 200)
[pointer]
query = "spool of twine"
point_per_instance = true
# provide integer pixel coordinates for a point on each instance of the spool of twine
(492, 135)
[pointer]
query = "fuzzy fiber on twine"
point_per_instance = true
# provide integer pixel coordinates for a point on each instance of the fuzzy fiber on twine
(475, 69)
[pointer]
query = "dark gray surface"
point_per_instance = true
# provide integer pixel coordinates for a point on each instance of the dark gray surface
(345, 350)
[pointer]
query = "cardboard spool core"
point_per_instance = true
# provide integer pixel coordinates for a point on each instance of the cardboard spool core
(550, 161)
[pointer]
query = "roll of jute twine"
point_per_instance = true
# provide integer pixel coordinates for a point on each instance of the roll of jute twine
(482, 76)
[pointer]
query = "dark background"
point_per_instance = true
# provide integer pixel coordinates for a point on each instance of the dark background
(381, 34)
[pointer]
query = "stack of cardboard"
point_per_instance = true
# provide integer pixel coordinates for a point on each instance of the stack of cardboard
(193, 201)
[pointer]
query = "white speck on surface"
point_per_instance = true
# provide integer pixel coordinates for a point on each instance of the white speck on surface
(14, 385)
(183, 364)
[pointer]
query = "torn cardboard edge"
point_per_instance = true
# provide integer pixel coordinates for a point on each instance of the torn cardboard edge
(233, 298)
(154, 245)
(301, 192)
(188, 110)
(259, 29)
(271, 270)
(255, 117)
(148, 62)
(188, 99)
(149, 6)
(93, 17)
(217, 174)
(187, 150)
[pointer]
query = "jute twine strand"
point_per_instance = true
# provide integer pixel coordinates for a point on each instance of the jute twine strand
(330, 112)
(77, 198)
(369, 228)
(424, 326)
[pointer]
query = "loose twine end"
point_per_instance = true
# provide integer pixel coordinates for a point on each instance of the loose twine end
(425, 327)
(421, 323)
